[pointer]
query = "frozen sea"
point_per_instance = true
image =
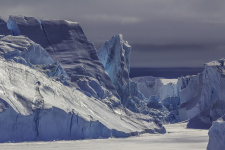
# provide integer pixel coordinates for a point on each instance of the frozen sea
(178, 137)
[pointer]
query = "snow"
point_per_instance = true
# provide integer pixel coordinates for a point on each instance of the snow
(177, 138)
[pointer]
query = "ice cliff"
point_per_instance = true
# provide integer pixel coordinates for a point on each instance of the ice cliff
(53, 86)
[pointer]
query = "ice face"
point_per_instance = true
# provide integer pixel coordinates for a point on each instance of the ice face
(66, 43)
(3, 28)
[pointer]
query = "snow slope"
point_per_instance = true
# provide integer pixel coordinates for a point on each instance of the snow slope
(67, 44)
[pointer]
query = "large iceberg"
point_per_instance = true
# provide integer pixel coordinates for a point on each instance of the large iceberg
(67, 44)
(40, 95)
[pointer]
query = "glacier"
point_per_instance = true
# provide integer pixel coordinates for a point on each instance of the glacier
(54, 87)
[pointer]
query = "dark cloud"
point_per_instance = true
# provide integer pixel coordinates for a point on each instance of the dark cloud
(163, 33)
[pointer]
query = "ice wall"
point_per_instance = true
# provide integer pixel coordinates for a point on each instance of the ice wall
(66, 43)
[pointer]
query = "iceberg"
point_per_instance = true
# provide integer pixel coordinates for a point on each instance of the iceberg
(36, 104)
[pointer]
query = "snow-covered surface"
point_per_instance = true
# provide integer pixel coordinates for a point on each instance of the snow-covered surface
(177, 138)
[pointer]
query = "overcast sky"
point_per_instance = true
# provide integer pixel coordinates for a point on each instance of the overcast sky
(163, 33)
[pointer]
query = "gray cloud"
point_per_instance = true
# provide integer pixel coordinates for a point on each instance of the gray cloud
(163, 33)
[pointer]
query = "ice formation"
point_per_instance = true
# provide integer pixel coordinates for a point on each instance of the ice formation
(216, 135)
(115, 55)
(35, 102)
(67, 44)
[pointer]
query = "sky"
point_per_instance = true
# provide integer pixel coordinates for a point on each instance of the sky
(162, 33)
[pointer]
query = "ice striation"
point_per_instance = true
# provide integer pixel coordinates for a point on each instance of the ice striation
(67, 44)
